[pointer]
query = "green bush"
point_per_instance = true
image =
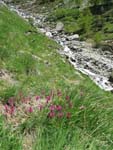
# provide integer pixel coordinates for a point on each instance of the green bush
(108, 27)
(85, 21)
(97, 39)
(61, 13)
(72, 28)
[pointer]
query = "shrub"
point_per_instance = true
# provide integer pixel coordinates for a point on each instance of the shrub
(61, 13)
(72, 28)
(97, 39)
(85, 20)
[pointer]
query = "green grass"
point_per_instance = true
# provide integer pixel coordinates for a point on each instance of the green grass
(35, 65)
(9, 139)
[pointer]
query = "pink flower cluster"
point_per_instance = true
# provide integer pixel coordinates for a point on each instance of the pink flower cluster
(55, 110)
(56, 103)
(61, 108)
(9, 108)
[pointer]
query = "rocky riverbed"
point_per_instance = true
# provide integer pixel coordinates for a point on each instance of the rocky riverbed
(95, 63)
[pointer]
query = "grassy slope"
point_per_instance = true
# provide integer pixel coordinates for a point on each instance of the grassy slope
(90, 128)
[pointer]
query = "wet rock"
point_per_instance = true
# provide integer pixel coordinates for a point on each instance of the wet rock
(49, 34)
(59, 26)
(72, 59)
(66, 49)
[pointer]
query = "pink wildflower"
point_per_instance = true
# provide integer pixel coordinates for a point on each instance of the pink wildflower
(30, 109)
(52, 107)
(11, 102)
(48, 98)
(37, 98)
(59, 107)
(12, 110)
(51, 114)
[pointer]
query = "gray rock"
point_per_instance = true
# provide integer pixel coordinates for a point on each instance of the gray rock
(73, 37)
(49, 34)
(59, 26)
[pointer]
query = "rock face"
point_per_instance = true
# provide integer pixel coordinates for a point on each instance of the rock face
(59, 26)
(96, 63)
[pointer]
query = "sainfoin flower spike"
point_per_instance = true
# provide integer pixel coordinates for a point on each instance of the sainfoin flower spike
(37, 98)
(30, 109)
(48, 98)
(52, 107)
(51, 114)
(59, 107)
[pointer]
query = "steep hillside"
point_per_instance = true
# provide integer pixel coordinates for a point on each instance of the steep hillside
(44, 103)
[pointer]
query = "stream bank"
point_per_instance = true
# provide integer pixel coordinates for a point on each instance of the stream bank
(95, 63)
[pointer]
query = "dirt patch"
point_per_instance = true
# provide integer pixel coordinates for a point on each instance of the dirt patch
(28, 142)
(6, 76)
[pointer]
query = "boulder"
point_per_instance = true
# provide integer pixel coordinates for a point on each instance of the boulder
(59, 26)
